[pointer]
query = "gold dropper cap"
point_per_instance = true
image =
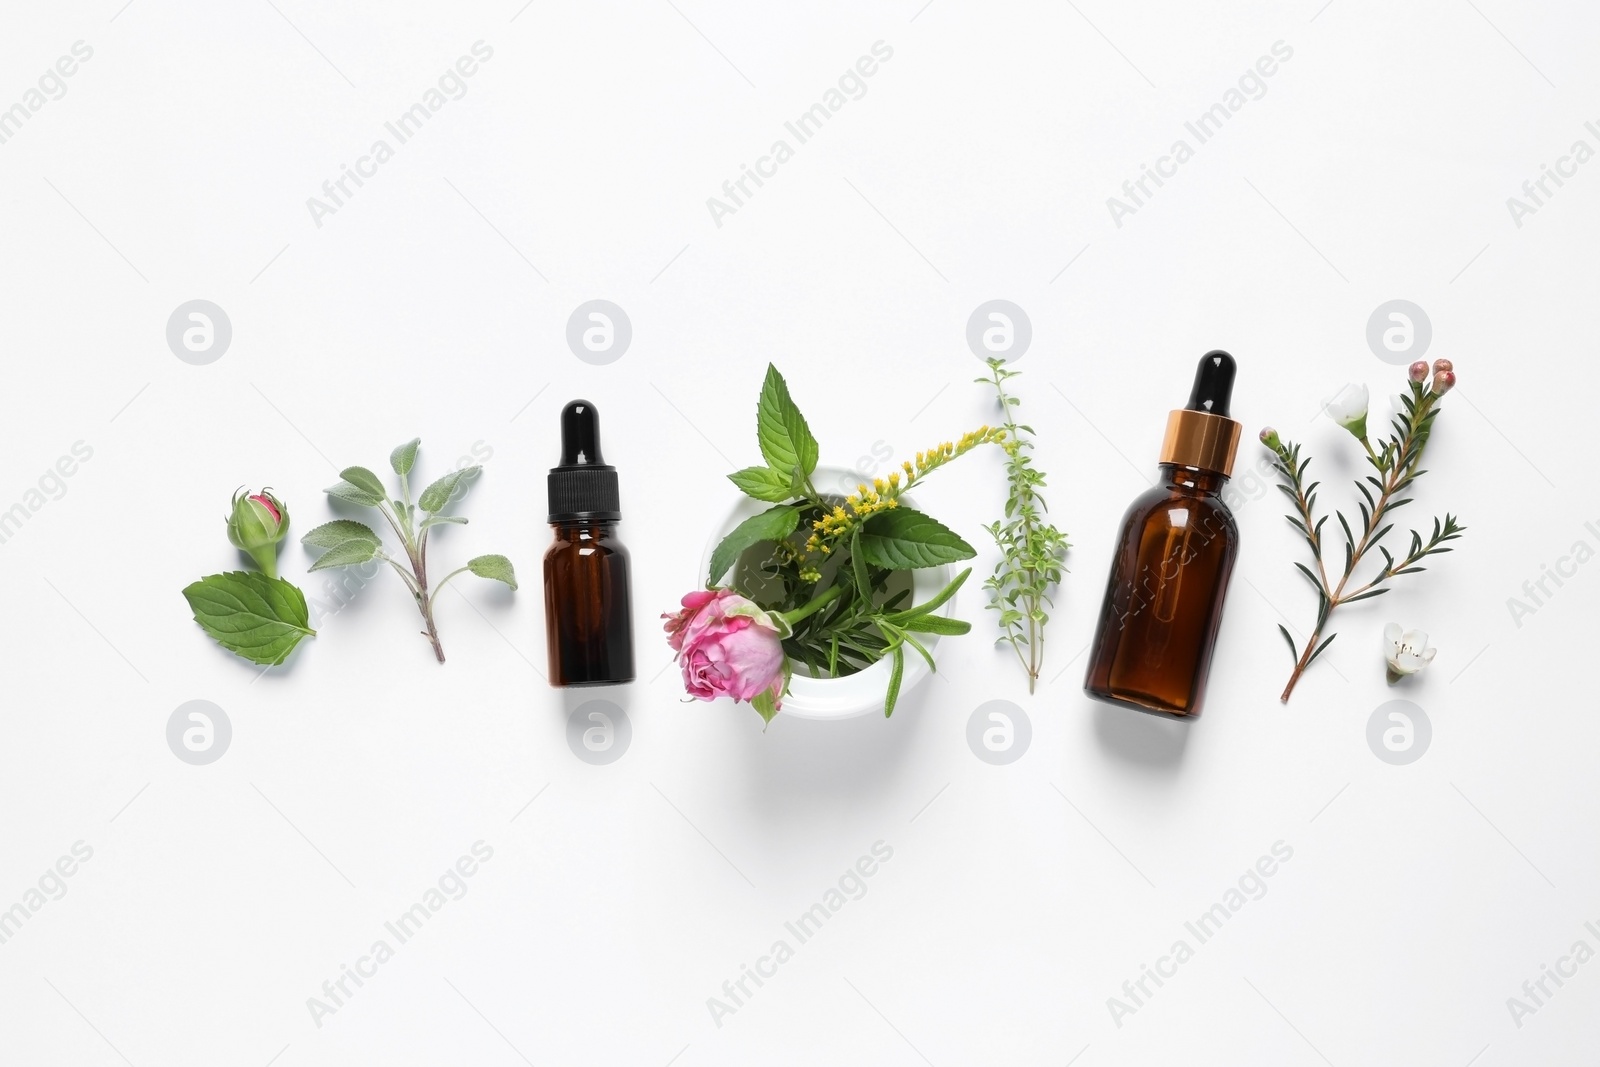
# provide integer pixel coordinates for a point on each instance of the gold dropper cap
(1202, 435)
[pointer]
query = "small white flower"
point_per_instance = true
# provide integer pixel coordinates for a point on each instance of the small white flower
(1406, 650)
(1349, 409)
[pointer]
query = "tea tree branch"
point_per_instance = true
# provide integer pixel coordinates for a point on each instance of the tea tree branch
(1396, 466)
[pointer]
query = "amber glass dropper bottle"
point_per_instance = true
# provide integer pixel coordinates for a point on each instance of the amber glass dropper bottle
(1171, 563)
(587, 616)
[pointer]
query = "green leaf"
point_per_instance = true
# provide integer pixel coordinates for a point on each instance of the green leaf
(766, 705)
(781, 430)
(496, 567)
(337, 532)
(763, 483)
(930, 606)
(902, 538)
(437, 495)
(774, 524)
(346, 553)
(403, 458)
(897, 670)
(258, 618)
(858, 567)
(1292, 650)
(937, 624)
(441, 520)
(365, 481)
(355, 494)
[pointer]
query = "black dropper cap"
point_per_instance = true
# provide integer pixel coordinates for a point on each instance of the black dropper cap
(1213, 383)
(582, 488)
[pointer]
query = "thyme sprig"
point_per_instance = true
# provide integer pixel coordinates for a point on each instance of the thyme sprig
(1031, 549)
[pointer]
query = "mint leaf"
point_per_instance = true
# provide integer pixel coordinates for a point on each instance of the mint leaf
(337, 532)
(495, 567)
(365, 481)
(355, 494)
(763, 483)
(250, 615)
(402, 459)
(901, 539)
(781, 430)
(437, 495)
(774, 524)
(355, 550)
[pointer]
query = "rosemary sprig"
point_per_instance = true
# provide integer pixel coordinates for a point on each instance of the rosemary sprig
(1031, 549)
(1397, 467)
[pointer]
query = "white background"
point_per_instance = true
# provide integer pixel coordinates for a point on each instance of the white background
(1019, 898)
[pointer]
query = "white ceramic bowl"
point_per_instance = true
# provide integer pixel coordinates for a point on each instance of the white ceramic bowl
(861, 693)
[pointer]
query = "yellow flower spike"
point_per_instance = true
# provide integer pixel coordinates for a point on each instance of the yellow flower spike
(894, 478)
(862, 489)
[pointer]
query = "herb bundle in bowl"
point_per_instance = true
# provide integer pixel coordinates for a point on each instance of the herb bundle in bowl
(822, 587)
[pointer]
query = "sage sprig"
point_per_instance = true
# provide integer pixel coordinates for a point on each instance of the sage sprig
(1396, 466)
(1031, 549)
(348, 542)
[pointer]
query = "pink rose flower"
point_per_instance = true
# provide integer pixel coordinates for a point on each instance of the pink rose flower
(727, 646)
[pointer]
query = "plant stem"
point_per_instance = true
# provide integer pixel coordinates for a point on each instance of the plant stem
(817, 603)
(436, 589)
(419, 564)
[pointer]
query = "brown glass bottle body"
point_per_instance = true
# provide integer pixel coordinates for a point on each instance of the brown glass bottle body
(588, 624)
(1163, 603)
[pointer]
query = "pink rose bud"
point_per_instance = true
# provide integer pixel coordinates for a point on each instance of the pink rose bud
(256, 523)
(1444, 380)
(727, 646)
(1419, 371)
(1442, 365)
